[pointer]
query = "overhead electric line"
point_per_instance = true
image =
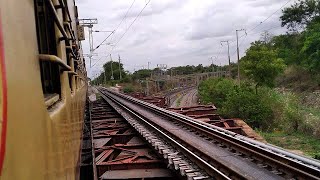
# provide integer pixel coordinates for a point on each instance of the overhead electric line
(125, 16)
(131, 24)
(127, 28)
(117, 26)
(245, 35)
(269, 16)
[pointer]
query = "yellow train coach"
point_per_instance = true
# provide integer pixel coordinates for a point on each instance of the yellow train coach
(42, 90)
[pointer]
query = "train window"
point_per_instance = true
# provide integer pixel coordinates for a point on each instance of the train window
(50, 72)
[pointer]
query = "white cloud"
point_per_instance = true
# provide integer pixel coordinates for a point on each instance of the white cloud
(177, 32)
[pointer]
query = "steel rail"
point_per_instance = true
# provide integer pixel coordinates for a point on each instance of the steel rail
(95, 176)
(229, 172)
(214, 171)
(289, 162)
(200, 156)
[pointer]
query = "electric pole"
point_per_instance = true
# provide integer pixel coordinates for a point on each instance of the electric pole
(238, 54)
(212, 64)
(111, 69)
(120, 67)
(89, 24)
(229, 68)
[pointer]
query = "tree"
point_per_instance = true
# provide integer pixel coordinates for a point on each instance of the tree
(106, 74)
(215, 90)
(300, 14)
(141, 74)
(243, 103)
(311, 47)
(288, 47)
(115, 68)
(261, 64)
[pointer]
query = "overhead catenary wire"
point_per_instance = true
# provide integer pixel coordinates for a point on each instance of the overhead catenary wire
(269, 16)
(125, 16)
(114, 31)
(130, 25)
(247, 33)
(127, 29)
(262, 23)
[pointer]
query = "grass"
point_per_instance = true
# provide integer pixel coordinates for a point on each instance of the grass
(309, 145)
(179, 100)
(314, 111)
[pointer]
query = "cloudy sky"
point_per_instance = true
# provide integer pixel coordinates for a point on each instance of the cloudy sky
(176, 32)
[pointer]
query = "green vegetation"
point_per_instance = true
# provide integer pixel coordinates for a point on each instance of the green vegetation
(261, 64)
(268, 111)
(128, 89)
(280, 74)
(179, 100)
(141, 74)
(184, 70)
(303, 39)
(243, 102)
(309, 145)
(215, 90)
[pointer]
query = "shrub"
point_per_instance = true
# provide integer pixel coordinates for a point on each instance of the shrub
(269, 110)
(244, 103)
(285, 106)
(128, 89)
(215, 90)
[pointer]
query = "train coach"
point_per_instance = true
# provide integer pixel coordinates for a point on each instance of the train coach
(42, 89)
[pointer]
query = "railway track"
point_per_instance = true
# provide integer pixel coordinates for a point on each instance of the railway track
(201, 151)
(116, 149)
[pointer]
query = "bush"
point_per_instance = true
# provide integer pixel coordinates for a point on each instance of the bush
(287, 112)
(244, 103)
(269, 110)
(215, 91)
(128, 89)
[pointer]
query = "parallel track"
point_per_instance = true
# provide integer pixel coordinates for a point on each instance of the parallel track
(220, 153)
(118, 152)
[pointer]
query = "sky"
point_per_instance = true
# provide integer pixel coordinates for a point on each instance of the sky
(176, 32)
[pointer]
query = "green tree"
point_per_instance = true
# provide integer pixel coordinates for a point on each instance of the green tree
(141, 74)
(288, 47)
(106, 74)
(115, 68)
(311, 47)
(243, 103)
(261, 64)
(215, 91)
(300, 14)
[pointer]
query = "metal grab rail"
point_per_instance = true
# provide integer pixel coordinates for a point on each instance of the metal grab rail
(57, 20)
(54, 59)
(73, 73)
(69, 48)
(67, 24)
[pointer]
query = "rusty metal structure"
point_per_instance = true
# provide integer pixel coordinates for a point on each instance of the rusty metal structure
(159, 101)
(204, 113)
(116, 151)
(207, 114)
(198, 150)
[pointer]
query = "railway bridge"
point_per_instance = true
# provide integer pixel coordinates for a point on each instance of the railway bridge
(126, 138)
